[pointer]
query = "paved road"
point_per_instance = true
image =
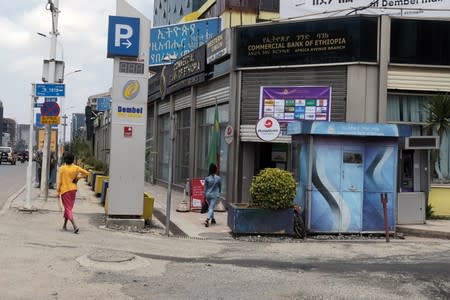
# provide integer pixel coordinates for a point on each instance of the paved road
(12, 178)
(42, 262)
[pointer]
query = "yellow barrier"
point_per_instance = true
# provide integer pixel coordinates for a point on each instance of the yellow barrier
(439, 198)
(99, 184)
(89, 177)
(149, 201)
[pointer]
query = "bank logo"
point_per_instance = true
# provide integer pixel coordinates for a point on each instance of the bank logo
(131, 89)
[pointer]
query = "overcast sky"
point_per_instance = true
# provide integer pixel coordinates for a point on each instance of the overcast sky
(82, 41)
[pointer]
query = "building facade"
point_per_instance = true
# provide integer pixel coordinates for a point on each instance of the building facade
(77, 125)
(378, 68)
(168, 12)
(9, 126)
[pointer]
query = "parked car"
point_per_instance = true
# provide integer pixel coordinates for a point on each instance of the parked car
(7, 155)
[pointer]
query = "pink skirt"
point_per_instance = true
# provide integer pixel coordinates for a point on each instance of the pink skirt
(68, 200)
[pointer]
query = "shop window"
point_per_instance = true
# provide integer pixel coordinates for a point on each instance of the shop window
(206, 121)
(163, 151)
(182, 141)
(149, 147)
(404, 108)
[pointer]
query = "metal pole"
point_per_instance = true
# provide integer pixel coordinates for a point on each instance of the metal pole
(27, 204)
(384, 200)
(169, 188)
(54, 8)
(64, 132)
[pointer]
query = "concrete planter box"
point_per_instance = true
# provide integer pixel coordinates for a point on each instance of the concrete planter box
(245, 220)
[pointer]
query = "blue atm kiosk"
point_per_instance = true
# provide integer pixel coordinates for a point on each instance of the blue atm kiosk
(343, 170)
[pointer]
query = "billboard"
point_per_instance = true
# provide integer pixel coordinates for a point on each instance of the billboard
(314, 9)
(169, 43)
(295, 103)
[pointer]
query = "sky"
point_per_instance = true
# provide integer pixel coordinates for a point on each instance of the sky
(82, 44)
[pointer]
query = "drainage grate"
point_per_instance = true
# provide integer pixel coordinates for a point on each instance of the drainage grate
(172, 226)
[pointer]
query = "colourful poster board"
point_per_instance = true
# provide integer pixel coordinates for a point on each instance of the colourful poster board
(296, 103)
(197, 193)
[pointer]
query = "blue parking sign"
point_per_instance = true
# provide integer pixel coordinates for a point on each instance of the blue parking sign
(123, 36)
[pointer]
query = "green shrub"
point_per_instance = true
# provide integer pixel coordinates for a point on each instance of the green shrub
(273, 188)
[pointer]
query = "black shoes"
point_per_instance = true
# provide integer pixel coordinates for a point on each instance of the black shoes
(213, 221)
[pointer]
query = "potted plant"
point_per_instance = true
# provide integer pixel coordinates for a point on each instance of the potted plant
(270, 210)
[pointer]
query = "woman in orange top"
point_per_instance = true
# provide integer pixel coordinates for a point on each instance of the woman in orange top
(67, 187)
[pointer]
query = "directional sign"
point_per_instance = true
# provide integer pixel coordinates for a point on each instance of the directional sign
(123, 36)
(50, 90)
(50, 109)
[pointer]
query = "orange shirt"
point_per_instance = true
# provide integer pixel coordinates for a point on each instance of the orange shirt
(67, 173)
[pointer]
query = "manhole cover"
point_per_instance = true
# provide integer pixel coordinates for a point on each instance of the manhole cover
(111, 256)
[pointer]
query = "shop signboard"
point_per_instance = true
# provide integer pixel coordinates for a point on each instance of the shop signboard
(314, 9)
(197, 193)
(169, 43)
(295, 103)
(327, 41)
(218, 47)
(186, 71)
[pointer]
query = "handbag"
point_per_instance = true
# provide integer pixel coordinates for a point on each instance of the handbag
(205, 206)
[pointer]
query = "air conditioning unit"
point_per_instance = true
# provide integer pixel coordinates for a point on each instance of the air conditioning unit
(422, 142)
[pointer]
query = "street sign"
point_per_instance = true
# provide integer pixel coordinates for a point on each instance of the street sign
(50, 120)
(50, 90)
(123, 36)
(51, 99)
(38, 105)
(50, 109)
(103, 104)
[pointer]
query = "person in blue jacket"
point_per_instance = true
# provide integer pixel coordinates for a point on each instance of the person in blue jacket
(213, 187)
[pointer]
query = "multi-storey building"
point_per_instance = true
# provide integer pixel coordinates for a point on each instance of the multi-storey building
(9, 126)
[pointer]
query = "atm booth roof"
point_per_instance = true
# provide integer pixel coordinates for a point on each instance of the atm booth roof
(348, 129)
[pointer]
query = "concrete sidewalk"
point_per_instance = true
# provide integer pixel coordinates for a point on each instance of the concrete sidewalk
(190, 224)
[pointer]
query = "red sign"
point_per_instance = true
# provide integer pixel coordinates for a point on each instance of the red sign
(50, 109)
(197, 193)
(128, 131)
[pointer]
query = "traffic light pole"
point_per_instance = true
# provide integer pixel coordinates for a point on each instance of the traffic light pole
(54, 9)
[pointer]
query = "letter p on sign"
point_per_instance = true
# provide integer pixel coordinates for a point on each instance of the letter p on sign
(123, 32)
(123, 36)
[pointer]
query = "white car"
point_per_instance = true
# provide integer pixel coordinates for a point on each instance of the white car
(7, 155)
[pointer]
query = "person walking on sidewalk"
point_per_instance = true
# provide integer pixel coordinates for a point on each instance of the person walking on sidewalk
(213, 188)
(68, 176)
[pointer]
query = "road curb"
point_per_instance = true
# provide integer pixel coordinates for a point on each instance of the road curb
(424, 233)
(8, 202)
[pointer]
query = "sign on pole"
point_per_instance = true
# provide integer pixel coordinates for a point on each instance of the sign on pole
(128, 35)
(50, 90)
(123, 36)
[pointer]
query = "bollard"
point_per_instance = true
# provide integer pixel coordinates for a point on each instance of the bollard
(384, 200)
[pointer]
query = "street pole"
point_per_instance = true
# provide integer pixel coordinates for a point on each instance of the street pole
(27, 204)
(64, 132)
(169, 188)
(54, 9)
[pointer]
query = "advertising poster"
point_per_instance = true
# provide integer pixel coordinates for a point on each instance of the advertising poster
(197, 193)
(296, 103)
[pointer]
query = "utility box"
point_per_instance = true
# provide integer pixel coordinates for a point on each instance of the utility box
(411, 208)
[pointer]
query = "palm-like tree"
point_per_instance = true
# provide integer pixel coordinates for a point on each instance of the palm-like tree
(438, 120)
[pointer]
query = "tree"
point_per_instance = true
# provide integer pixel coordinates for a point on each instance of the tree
(438, 120)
